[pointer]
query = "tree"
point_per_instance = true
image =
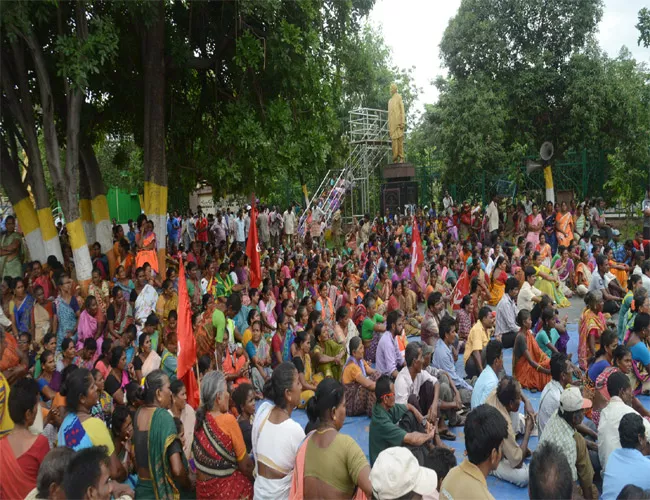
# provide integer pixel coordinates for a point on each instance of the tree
(644, 27)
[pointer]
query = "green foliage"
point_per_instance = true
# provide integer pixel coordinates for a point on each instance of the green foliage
(644, 27)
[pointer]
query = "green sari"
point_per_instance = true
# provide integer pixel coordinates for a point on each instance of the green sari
(162, 433)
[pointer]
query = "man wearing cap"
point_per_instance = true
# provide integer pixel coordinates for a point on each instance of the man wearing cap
(618, 247)
(485, 431)
(561, 431)
(397, 474)
(621, 396)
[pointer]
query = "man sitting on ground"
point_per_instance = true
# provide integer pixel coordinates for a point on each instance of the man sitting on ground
(507, 398)
(550, 476)
(388, 358)
(88, 475)
(506, 327)
(528, 295)
(485, 431)
(477, 340)
(619, 405)
(443, 357)
(628, 464)
(489, 378)
(386, 415)
(561, 431)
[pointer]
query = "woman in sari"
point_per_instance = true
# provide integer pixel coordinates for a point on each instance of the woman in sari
(119, 315)
(564, 268)
(618, 269)
(68, 355)
(327, 355)
(545, 251)
(20, 308)
(89, 327)
(640, 304)
(637, 344)
(548, 283)
(79, 428)
(345, 330)
(43, 316)
(583, 274)
(564, 226)
(534, 223)
(549, 227)
(147, 359)
(621, 361)
(275, 436)
(167, 302)
(49, 381)
(147, 248)
(123, 283)
(259, 354)
(302, 361)
(420, 280)
(348, 471)
(22, 452)
(530, 366)
(359, 381)
(98, 288)
(164, 473)
(145, 304)
(635, 284)
(498, 281)
(591, 326)
(103, 409)
(11, 250)
(118, 378)
(184, 412)
(224, 469)
(67, 310)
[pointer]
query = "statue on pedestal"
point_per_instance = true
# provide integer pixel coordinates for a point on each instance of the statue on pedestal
(396, 124)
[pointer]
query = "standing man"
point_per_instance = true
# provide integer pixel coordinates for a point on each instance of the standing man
(263, 227)
(289, 225)
(492, 215)
(396, 124)
(447, 203)
(240, 228)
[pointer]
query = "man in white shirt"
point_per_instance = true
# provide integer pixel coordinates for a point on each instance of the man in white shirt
(492, 215)
(528, 294)
(620, 391)
(447, 203)
(506, 327)
(289, 225)
(417, 387)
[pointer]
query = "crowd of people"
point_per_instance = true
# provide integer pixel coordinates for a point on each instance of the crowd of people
(91, 405)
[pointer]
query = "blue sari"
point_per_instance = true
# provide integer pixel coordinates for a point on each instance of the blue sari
(72, 434)
(67, 320)
(23, 314)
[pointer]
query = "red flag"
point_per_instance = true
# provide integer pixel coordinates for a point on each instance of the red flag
(186, 343)
(417, 255)
(460, 290)
(253, 249)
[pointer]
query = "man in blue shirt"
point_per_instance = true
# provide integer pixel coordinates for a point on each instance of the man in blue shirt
(628, 464)
(389, 359)
(443, 357)
(173, 226)
(488, 379)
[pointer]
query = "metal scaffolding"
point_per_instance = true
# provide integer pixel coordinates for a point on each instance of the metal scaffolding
(369, 149)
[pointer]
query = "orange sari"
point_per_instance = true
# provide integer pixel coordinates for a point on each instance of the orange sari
(149, 256)
(523, 371)
(565, 223)
(621, 276)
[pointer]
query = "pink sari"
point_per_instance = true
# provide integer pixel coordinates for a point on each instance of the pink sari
(87, 329)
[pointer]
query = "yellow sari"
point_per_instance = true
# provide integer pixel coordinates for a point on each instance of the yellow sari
(549, 288)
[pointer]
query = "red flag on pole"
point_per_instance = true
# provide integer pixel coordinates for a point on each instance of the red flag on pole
(186, 343)
(460, 290)
(253, 249)
(417, 255)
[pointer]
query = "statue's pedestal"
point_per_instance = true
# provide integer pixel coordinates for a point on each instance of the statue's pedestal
(400, 189)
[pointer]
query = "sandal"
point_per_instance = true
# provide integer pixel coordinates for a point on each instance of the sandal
(447, 435)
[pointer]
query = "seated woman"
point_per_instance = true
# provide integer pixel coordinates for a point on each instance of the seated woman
(235, 364)
(640, 304)
(372, 325)
(548, 336)
(244, 398)
(544, 249)
(328, 356)
(159, 459)
(564, 268)
(637, 344)
(591, 326)
(88, 355)
(302, 362)
(21, 452)
(618, 269)
(119, 315)
(20, 308)
(359, 381)
(79, 429)
(498, 281)
(583, 274)
(89, 327)
(548, 283)
(224, 468)
(49, 382)
(169, 361)
(98, 288)
(103, 409)
(123, 282)
(184, 412)
(530, 366)
(147, 360)
(259, 355)
(167, 302)
(621, 361)
(118, 378)
(635, 284)
(329, 464)
(68, 355)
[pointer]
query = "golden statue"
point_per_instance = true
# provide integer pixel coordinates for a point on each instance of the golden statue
(396, 124)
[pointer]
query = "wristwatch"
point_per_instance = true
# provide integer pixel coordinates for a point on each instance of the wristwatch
(424, 422)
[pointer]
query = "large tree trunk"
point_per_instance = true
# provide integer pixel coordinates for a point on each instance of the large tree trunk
(101, 217)
(155, 185)
(17, 90)
(65, 179)
(85, 206)
(22, 204)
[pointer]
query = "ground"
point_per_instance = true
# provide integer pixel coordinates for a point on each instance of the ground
(357, 427)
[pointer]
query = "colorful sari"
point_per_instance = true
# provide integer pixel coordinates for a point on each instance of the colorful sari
(144, 305)
(161, 435)
(126, 289)
(289, 337)
(358, 399)
(533, 236)
(589, 322)
(549, 231)
(331, 349)
(549, 288)
(76, 435)
(523, 371)
(22, 314)
(101, 295)
(497, 286)
(150, 256)
(87, 329)
(67, 320)
(218, 446)
(565, 223)
(123, 318)
(639, 376)
(622, 314)
(564, 273)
